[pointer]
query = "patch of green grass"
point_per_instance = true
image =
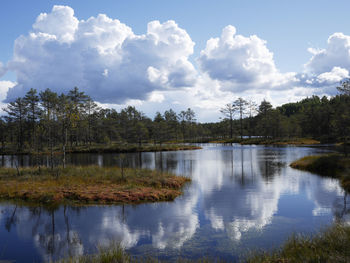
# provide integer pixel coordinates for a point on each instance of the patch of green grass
(116, 254)
(113, 254)
(330, 245)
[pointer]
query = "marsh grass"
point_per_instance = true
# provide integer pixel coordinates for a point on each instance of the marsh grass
(331, 165)
(89, 184)
(115, 253)
(112, 254)
(330, 245)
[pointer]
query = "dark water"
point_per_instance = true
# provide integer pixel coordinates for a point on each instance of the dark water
(240, 198)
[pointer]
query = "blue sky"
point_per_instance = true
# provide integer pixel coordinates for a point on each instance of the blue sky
(289, 28)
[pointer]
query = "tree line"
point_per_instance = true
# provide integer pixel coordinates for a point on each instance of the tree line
(47, 120)
(325, 119)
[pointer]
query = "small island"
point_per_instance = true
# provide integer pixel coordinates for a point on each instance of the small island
(79, 185)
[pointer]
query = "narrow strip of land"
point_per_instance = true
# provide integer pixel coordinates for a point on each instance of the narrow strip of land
(269, 141)
(104, 148)
(331, 165)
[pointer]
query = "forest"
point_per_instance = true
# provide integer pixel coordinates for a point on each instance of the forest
(47, 120)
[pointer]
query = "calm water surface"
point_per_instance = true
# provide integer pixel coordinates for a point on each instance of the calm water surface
(240, 198)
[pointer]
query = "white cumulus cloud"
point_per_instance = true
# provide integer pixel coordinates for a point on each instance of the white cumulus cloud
(102, 56)
(336, 54)
(236, 58)
(328, 66)
(242, 63)
(335, 75)
(60, 23)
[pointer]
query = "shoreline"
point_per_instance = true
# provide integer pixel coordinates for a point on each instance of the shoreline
(110, 149)
(265, 141)
(330, 165)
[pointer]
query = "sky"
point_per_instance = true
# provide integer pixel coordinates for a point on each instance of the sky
(161, 54)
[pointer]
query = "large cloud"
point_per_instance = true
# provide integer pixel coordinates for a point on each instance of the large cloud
(236, 58)
(152, 71)
(102, 56)
(241, 63)
(328, 66)
(336, 54)
(244, 65)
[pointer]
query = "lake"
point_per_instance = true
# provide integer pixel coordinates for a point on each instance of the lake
(240, 198)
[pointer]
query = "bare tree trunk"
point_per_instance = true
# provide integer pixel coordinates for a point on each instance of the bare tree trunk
(64, 148)
(51, 150)
(16, 164)
(241, 124)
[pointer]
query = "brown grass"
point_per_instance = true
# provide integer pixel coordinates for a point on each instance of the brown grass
(89, 184)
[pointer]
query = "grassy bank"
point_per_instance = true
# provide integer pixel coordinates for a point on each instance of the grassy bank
(330, 245)
(115, 253)
(88, 184)
(267, 141)
(332, 165)
(106, 148)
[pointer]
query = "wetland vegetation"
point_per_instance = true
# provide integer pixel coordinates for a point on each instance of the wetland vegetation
(330, 245)
(79, 185)
(332, 165)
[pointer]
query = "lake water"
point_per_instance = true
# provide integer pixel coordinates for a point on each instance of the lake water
(240, 198)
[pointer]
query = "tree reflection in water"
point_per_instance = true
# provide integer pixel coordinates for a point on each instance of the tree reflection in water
(237, 193)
